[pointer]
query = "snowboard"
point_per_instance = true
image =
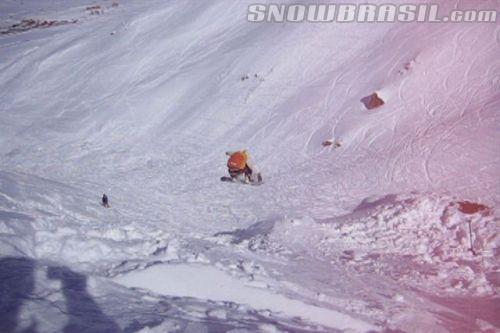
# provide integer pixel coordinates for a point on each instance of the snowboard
(232, 180)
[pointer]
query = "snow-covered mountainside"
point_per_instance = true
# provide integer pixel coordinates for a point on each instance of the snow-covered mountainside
(381, 220)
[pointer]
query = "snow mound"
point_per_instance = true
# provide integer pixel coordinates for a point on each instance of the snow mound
(419, 240)
(431, 227)
(45, 219)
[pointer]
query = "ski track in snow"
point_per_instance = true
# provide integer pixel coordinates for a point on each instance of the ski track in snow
(142, 101)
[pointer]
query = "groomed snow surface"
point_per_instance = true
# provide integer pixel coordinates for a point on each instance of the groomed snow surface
(392, 228)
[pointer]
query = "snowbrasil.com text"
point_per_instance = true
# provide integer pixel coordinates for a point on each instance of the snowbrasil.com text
(324, 13)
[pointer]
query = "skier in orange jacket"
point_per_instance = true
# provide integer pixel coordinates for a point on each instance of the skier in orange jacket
(240, 164)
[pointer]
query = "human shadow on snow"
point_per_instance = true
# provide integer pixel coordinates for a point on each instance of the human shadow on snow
(84, 315)
(17, 285)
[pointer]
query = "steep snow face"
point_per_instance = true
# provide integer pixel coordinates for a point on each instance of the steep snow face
(140, 100)
(155, 92)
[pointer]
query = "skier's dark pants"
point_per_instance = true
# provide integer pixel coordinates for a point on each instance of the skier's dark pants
(235, 173)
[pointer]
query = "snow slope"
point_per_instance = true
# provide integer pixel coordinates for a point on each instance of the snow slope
(140, 100)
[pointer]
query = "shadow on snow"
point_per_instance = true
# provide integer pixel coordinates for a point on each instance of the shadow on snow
(17, 283)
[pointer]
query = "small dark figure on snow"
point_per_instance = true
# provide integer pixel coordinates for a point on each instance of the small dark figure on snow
(105, 202)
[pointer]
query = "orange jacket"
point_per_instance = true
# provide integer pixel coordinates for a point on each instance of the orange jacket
(237, 161)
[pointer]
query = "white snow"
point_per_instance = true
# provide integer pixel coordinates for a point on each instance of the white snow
(202, 281)
(140, 100)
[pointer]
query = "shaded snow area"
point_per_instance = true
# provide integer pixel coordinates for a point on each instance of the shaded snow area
(378, 146)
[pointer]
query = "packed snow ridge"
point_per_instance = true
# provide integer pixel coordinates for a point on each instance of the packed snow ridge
(378, 144)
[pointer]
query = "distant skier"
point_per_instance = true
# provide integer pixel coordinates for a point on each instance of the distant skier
(240, 167)
(105, 201)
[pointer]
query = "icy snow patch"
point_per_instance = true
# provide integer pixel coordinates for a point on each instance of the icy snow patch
(208, 282)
